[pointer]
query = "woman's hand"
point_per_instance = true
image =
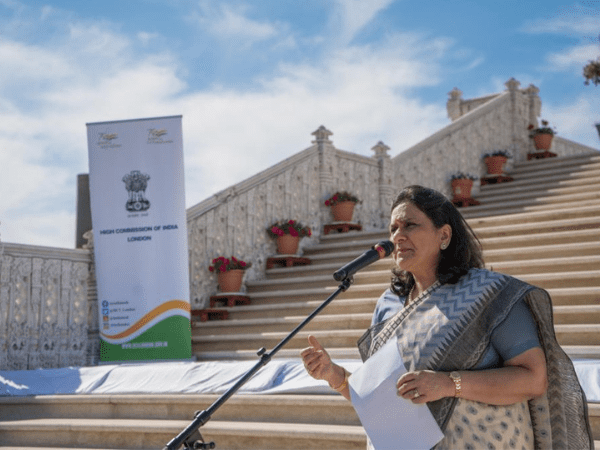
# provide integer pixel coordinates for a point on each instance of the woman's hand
(317, 362)
(425, 386)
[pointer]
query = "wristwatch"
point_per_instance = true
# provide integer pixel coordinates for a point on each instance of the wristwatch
(455, 376)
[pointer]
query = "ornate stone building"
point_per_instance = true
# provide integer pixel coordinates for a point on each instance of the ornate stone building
(48, 310)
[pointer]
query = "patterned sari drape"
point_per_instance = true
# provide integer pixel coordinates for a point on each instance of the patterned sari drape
(451, 328)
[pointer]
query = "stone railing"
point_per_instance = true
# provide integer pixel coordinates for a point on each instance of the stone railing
(44, 308)
(565, 147)
(499, 122)
(234, 221)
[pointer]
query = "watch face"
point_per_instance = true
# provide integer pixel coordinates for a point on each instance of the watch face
(454, 375)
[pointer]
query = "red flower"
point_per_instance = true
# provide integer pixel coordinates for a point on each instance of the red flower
(211, 268)
(293, 232)
(326, 202)
(223, 268)
(242, 263)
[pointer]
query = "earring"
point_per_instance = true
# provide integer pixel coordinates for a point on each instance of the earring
(444, 245)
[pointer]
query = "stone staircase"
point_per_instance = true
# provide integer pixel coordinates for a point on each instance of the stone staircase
(543, 227)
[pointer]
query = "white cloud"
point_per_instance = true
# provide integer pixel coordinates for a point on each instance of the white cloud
(577, 118)
(574, 56)
(227, 22)
(576, 19)
(351, 16)
(360, 93)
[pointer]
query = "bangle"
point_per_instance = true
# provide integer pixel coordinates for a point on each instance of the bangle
(342, 386)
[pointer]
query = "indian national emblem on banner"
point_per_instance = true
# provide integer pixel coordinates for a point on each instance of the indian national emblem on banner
(136, 184)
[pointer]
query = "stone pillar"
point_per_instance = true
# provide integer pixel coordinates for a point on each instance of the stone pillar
(453, 104)
(326, 166)
(535, 109)
(535, 104)
(512, 86)
(84, 212)
(386, 182)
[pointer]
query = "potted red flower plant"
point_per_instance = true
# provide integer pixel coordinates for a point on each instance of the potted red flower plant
(462, 185)
(288, 233)
(495, 161)
(342, 206)
(542, 136)
(230, 272)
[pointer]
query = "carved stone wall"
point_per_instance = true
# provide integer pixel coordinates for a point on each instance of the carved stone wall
(234, 221)
(499, 122)
(43, 307)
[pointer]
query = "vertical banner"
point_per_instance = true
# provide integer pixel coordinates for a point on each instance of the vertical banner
(140, 239)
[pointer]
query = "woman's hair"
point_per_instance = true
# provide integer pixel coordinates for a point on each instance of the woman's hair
(464, 249)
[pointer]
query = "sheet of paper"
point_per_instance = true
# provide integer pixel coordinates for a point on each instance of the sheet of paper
(390, 421)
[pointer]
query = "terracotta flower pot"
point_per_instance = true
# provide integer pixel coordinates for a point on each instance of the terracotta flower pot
(461, 188)
(230, 281)
(495, 164)
(342, 212)
(543, 141)
(287, 244)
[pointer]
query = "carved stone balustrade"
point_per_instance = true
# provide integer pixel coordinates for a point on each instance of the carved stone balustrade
(43, 307)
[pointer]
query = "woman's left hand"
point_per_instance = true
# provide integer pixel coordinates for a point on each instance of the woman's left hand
(425, 386)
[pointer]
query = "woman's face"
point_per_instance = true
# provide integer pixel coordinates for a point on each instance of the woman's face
(417, 242)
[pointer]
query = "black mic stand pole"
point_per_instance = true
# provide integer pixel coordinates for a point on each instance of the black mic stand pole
(190, 437)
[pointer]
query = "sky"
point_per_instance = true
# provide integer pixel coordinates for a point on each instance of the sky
(254, 78)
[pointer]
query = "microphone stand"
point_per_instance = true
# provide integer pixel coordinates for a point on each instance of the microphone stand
(190, 437)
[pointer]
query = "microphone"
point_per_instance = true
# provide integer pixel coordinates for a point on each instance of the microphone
(378, 251)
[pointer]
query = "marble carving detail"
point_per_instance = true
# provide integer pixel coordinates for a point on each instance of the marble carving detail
(43, 309)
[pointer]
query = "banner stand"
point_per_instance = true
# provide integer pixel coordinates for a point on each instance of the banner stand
(139, 222)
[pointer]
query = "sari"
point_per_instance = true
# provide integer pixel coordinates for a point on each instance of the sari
(450, 327)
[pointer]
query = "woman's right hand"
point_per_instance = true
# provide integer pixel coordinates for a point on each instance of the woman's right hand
(318, 364)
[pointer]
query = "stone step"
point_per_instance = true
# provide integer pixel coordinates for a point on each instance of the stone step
(574, 351)
(589, 278)
(575, 296)
(541, 219)
(563, 288)
(341, 353)
(153, 434)
(330, 248)
(577, 314)
(551, 166)
(569, 256)
(301, 308)
(283, 324)
(508, 207)
(546, 265)
(578, 334)
(542, 251)
(531, 228)
(544, 183)
(254, 408)
(540, 192)
(374, 283)
(565, 237)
